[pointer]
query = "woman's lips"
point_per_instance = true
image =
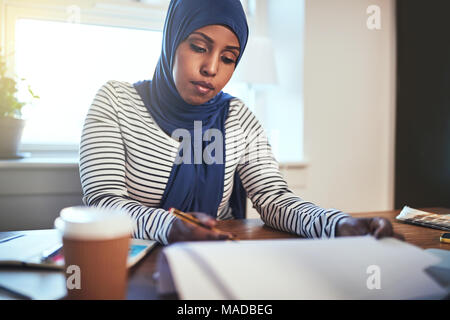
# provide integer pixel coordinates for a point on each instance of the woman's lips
(202, 88)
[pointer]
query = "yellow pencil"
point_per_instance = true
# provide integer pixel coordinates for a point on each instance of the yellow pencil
(193, 220)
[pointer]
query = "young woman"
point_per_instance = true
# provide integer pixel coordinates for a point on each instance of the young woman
(179, 141)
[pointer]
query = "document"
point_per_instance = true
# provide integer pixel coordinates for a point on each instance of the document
(341, 268)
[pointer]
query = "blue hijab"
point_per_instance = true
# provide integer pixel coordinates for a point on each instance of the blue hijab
(192, 186)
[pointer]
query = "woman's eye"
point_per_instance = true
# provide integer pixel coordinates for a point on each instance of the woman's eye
(197, 48)
(227, 60)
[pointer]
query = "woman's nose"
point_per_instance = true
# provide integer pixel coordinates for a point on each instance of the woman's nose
(209, 67)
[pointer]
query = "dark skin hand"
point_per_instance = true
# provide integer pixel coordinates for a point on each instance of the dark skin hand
(183, 231)
(348, 226)
(377, 227)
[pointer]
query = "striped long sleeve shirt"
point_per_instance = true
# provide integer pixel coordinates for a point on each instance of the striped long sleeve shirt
(126, 160)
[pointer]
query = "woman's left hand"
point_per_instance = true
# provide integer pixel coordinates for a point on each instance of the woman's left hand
(377, 227)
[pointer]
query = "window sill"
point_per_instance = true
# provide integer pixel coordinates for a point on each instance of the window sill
(69, 159)
(294, 165)
(42, 160)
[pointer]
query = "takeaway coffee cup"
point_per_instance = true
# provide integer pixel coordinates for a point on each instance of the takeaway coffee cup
(95, 248)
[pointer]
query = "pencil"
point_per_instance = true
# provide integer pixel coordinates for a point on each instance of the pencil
(193, 220)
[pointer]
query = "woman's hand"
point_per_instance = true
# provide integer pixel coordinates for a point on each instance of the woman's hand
(377, 227)
(184, 231)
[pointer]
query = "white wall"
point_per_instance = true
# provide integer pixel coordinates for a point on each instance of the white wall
(32, 192)
(349, 107)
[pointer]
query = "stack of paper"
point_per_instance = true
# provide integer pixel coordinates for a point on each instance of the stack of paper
(342, 268)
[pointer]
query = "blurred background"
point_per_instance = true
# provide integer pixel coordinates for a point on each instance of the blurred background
(353, 95)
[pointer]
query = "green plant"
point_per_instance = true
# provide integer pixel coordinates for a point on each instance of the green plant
(9, 105)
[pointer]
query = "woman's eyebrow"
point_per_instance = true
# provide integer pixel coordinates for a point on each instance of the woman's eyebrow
(212, 41)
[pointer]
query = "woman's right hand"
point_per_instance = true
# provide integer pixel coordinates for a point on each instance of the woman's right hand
(184, 231)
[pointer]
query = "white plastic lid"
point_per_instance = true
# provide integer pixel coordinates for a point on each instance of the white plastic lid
(93, 223)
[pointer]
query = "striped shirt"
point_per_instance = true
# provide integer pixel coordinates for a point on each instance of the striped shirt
(126, 160)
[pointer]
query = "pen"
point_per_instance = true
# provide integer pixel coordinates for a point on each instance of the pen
(193, 220)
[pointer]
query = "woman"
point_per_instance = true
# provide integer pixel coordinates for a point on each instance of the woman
(149, 146)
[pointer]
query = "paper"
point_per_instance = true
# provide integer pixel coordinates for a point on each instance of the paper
(29, 246)
(342, 268)
(40, 285)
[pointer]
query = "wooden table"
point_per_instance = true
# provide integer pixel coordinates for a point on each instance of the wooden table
(141, 284)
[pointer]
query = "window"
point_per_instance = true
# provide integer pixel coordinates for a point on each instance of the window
(67, 51)
(67, 63)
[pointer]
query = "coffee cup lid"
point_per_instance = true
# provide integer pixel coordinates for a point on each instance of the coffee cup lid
(93, 223)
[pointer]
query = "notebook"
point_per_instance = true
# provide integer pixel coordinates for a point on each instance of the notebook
(28, 249)
(441, 271)
(341, 268)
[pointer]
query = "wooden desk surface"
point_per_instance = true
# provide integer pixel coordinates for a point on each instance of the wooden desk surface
(141, 284)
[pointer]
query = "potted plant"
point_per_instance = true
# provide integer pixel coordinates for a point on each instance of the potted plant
(11, 124)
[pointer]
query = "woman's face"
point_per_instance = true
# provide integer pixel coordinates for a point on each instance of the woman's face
(204, 63)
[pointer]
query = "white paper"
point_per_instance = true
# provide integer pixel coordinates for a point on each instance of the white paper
(40, 285)
(29, 246)
(342, 268)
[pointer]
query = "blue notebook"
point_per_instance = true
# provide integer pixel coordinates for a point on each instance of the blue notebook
(441, 271)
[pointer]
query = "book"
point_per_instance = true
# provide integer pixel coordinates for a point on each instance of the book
(426, 219)
(41, 249)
